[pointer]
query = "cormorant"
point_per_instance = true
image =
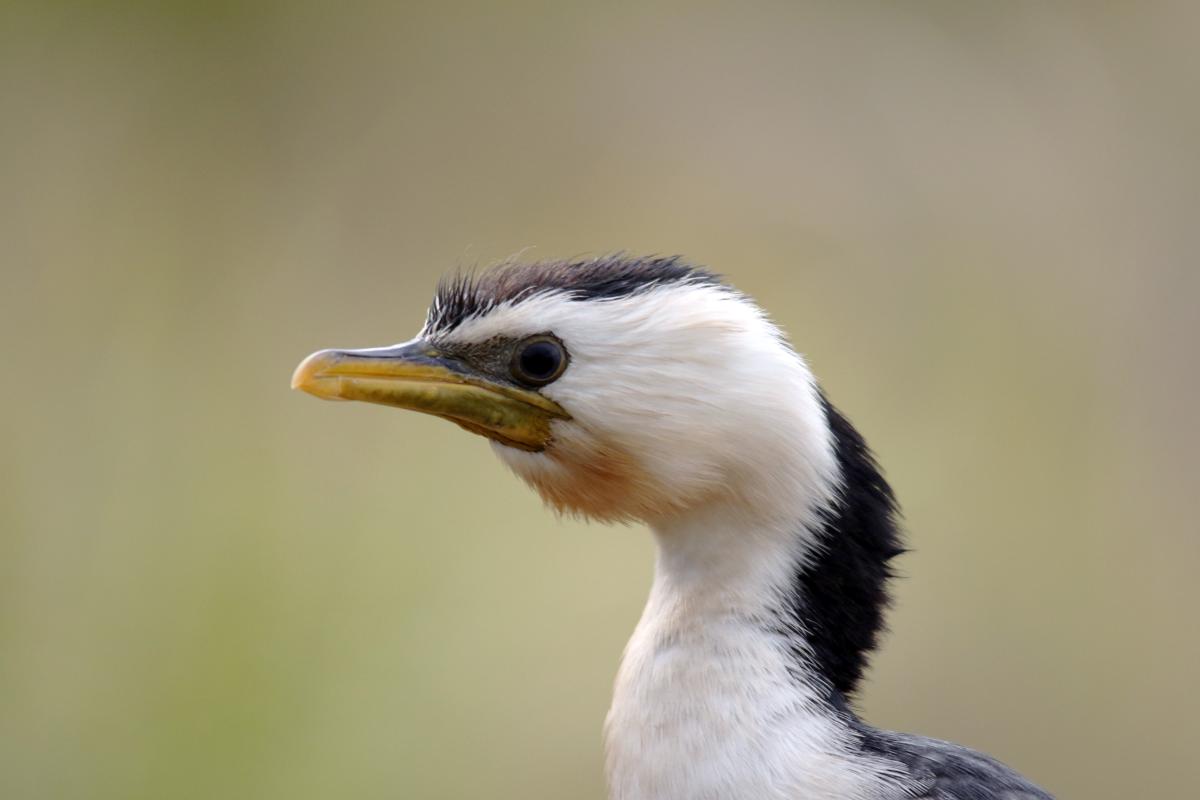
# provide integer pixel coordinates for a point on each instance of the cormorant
(648, 389)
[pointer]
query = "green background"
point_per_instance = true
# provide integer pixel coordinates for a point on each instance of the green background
(979, 221)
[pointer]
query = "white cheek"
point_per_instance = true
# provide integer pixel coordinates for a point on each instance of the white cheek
(701, 426)
(677, 394)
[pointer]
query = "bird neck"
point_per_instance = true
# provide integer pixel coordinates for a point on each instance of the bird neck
(813, 568)
(757, 629)
(727, 577)
(717, 694)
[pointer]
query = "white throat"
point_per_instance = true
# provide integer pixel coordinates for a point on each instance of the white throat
(710, 701)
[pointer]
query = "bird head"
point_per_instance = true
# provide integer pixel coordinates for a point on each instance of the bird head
(619, 388)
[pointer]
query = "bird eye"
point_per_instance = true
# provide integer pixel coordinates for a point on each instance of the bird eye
(539, 360)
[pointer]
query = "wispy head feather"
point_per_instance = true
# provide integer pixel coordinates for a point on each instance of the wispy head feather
(467, 295)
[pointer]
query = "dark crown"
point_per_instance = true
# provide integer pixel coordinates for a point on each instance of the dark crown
(464, 296)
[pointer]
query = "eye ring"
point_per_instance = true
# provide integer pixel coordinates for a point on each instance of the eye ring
(539, 360)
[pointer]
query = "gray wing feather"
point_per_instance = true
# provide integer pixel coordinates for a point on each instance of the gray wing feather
(947, 771)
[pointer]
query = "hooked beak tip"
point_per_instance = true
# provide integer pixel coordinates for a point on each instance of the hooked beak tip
(307, 374)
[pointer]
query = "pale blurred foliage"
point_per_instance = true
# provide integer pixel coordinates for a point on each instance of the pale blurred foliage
(978, 220)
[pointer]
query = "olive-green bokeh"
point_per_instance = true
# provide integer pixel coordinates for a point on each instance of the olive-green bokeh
(978, 220)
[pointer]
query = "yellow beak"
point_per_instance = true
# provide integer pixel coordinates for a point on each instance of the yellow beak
(417, 377)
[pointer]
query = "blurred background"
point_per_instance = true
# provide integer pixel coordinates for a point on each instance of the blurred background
(978, 221)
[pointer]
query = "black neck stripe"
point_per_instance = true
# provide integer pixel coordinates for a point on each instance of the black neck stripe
(838, 600)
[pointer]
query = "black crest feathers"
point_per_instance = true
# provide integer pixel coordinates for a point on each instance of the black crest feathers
(462, 297)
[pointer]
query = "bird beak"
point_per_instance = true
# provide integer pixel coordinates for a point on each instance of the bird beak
(417, 377)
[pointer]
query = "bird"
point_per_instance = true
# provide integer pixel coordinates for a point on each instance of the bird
(647, 389)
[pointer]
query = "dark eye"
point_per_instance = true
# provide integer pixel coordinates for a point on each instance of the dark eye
(539, 360)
